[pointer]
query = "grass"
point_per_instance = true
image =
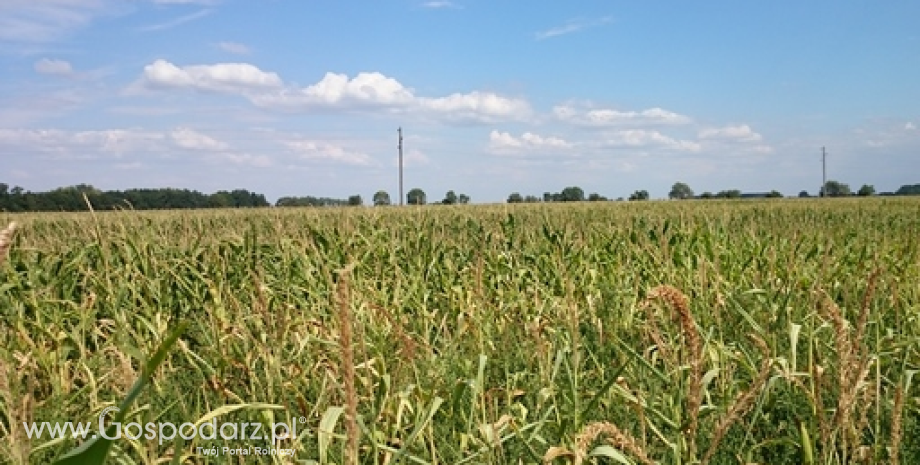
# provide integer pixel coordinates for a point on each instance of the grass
(720, 332)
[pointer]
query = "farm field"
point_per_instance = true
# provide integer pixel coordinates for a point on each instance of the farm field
(721, 332)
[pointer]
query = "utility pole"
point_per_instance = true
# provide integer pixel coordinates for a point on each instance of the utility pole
(823, 173)
(401, 198)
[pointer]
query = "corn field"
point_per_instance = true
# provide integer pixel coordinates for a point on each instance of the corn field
(691, 332)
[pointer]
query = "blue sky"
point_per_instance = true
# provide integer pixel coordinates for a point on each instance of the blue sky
(288, 97)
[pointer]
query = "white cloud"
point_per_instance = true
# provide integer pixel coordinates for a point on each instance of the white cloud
(258, 161)
(605, 117)
(190, 139)
(233, 47)
(325, 151)
(640, 138)
(571, 26)
(505, 143)
(879, 134)
(177, 22)
(124, 144)
(742, 133)
(48, 20)
(53, 67)
(222, 77)
(366, 91)
(186, 2)
(80, 144)
(440, 4)
(480, 107)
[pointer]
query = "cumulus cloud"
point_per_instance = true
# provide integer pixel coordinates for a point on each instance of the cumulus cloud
(189, 139)
(505, 143)
(53, 67)
(639, 138)
(122, 144)
(258, 161)
(605, 117)
(480, 107)
(314, 150)
(233, 47)
(80, 144)
(367, 91)
(741, 133)
(221, 77)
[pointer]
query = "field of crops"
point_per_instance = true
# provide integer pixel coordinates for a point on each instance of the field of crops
(727, 332)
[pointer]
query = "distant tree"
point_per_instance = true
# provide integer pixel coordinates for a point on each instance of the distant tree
(835, 189)
(729, 194)
(309, 201)
(531, 199)
(803, 194)
(416, 196)
(595, 197)
(774, 194)
(681, 191)
(866, 191)
(355, 201)
(450, 198)
(573, 194)
(515, 198)
(906, 189)
(547, 197)
(381, 198)
(463, 199)
(639, 195)
(706, 195)
(221, 199)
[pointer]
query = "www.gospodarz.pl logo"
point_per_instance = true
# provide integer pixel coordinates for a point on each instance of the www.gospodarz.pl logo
(166, 431)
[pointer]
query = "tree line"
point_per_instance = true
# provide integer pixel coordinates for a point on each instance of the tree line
(74, 198)
(681, 190)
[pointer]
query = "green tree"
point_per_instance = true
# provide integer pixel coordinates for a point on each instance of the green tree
(639, 195)
(706, 195)
(573, 194)
(803, 194)
(774, 194)
(381, 198)
(416, 196)
(355, 201)
(835, 189)
(681, 191)
(463, 199)
(866, 190)
(595, 197)
(450, 198)
(729, 194)
(906, 189)
(515, 198)
(531, 199)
